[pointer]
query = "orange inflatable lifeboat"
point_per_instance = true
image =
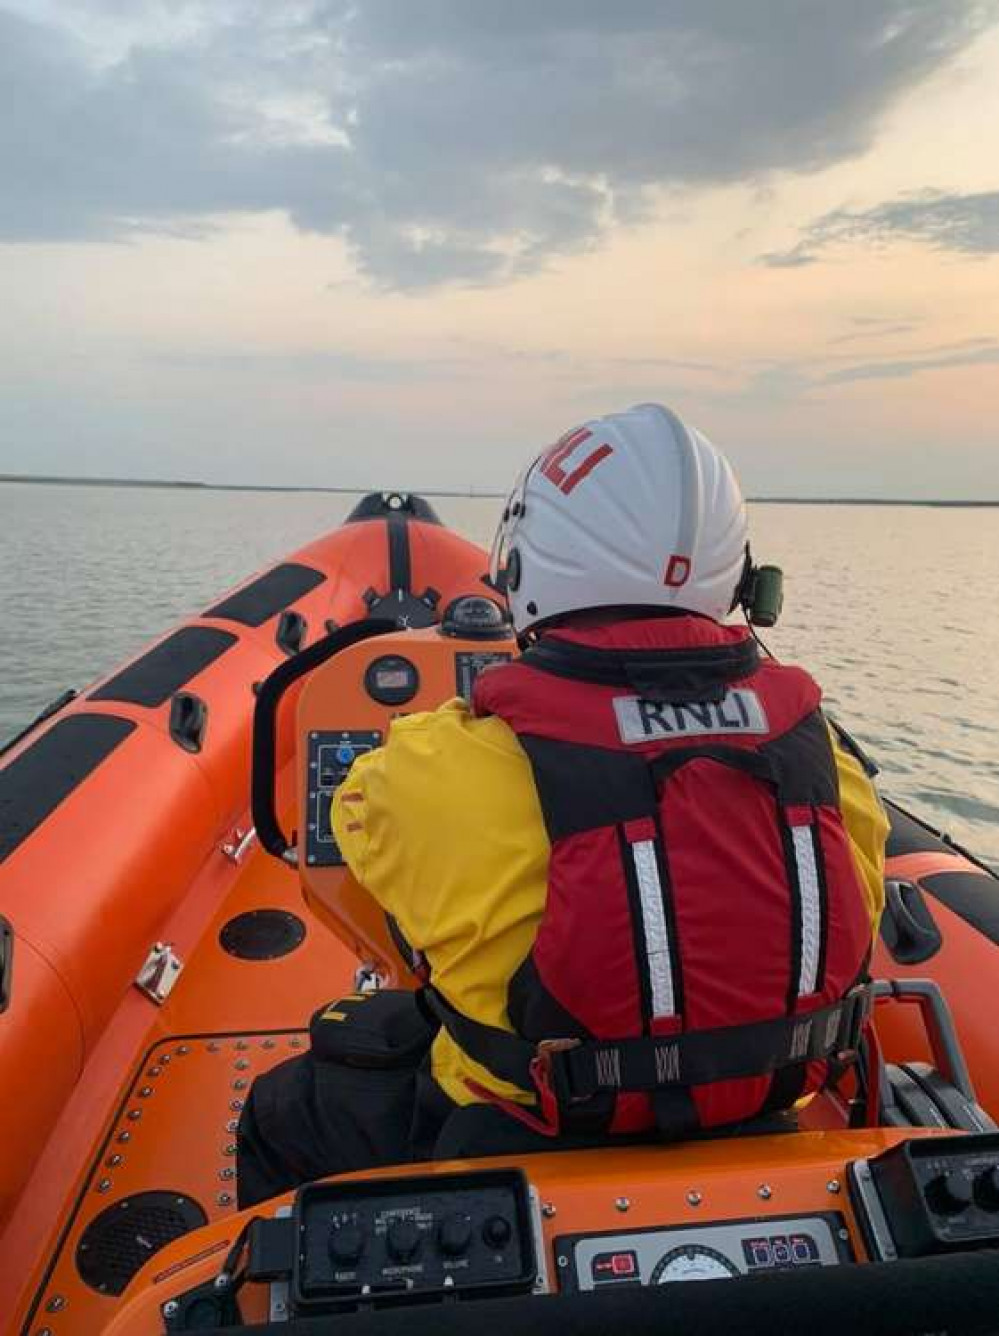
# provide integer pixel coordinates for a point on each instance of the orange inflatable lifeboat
(111, 809)
(173, 909)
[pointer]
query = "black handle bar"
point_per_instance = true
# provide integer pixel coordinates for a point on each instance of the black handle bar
(264, 749)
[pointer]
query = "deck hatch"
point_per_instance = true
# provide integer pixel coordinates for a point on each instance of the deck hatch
(262, 934)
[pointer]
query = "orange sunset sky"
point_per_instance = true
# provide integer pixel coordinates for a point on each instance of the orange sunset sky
(408, 242)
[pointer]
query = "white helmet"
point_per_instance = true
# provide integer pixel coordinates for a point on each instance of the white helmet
(631, 509)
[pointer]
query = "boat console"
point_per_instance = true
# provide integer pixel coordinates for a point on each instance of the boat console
(356, 683)
(871, 1216)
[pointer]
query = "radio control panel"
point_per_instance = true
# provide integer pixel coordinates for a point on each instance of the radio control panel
(932, 1195)
(331, 754)
(394, 1239)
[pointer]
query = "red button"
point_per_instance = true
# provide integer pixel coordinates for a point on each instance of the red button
(623, 1264)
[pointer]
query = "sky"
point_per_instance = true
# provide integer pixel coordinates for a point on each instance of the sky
(408, 243)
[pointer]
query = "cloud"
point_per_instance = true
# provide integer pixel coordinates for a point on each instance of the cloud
(804, 381)
(322, 364)
(914, 366)
(964, 224)
(796, 258)
(874, 327)
(441, 140)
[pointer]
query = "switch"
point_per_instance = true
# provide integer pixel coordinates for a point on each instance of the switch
(987, 1188)
(454, 1234)
(496, 1231)
(402, 1240)
(949, 1193)
(346, 1244)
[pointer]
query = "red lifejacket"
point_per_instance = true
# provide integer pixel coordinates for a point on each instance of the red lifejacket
(704, 942)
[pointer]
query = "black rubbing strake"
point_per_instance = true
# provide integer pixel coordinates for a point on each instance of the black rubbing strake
(909, 835)
(167, 667)
(268, 595)
(6, 962)
(53, 707)
(34, 783)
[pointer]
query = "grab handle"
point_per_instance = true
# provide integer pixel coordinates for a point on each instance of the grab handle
(264, 750)
(908, 929)
(188, 720)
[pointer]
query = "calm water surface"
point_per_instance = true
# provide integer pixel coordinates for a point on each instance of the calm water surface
(890, 607)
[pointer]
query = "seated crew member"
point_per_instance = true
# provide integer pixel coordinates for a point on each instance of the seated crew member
(640, 832)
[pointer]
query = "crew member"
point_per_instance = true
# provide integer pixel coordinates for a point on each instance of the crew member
(640, 874)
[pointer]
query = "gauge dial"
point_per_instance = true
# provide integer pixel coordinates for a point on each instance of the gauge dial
(692, 1262)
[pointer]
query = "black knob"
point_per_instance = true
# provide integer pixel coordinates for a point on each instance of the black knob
(454, 1234)
(987, 1188)
(346, 1244)
(496, 1231)
(949, 1193)
(402, 1240)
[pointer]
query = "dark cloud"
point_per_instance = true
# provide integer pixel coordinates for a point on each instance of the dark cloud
(796, 258)
(966, 224)
(443, 139)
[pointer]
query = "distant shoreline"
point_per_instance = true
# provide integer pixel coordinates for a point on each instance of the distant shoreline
(471, 493)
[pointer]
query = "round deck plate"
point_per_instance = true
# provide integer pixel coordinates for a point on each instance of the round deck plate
(262, 934)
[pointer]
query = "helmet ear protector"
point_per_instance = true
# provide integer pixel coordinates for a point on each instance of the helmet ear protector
(760, 592)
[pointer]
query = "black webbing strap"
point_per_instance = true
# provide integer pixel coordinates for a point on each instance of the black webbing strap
(704, 1056)
(506, 1055)
(579, 1069)
(671, 676)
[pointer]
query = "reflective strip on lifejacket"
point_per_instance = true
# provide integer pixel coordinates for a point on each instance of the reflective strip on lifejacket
(810, 903)
(643, 853)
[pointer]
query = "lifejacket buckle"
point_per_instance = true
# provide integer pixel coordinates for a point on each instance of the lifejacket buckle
(546, 1078)
(858, 1004)
(547, 1046)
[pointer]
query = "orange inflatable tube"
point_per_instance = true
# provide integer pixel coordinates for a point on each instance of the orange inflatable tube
(113, 806)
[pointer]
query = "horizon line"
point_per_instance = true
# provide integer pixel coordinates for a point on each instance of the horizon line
(71, 480)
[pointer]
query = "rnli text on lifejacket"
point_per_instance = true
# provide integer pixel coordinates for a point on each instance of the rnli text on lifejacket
(739, 711)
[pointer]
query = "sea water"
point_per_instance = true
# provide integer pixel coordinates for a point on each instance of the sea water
(890, 607)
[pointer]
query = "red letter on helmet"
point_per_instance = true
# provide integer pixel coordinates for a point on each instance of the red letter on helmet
(552, 461)
(677, 571)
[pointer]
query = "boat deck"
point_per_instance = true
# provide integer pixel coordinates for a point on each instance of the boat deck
(167, 1163)
(158, 1146)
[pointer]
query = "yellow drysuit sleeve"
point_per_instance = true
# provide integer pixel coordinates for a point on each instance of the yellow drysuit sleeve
(443, 828)
(866, 824)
